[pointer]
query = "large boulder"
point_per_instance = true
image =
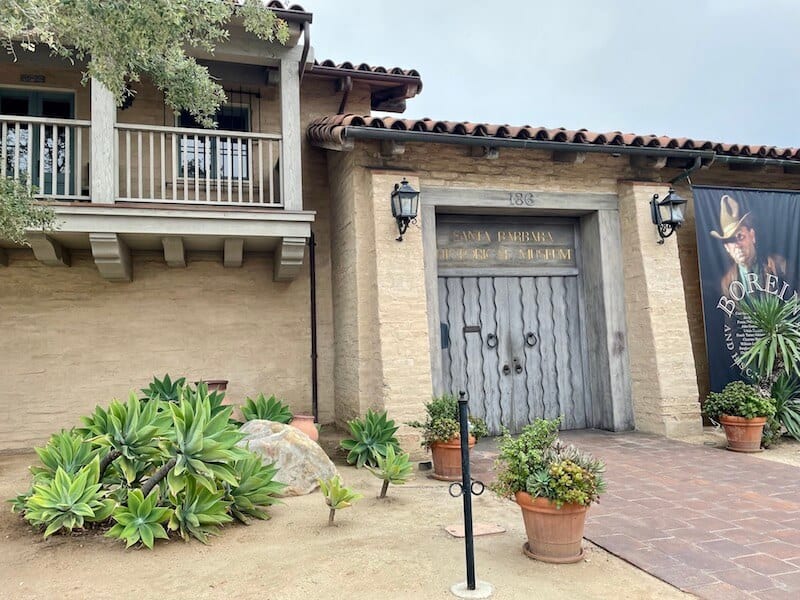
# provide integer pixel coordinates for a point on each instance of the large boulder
(300, 460)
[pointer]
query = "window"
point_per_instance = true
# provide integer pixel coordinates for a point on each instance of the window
(216, 156)
(23, 152)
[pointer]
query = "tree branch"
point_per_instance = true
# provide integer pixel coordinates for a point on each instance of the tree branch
(158, 476)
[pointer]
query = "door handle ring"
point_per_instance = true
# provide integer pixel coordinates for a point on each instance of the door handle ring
(530, 339)
(506, 369)
(491, 340)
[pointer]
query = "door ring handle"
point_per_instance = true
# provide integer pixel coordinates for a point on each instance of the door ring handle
(491, 340)
(506, 369)
(530, 339)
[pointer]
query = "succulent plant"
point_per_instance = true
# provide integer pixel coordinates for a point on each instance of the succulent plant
(256, 488)
(372, 435)
(68, 500)
(270, 409)
(198, 511)
(68, 450)
(140, 521)
(392, 468)
(164, 389)
(129, 432)
(337, 496)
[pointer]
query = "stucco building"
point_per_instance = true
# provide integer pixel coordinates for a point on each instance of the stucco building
(264, 252)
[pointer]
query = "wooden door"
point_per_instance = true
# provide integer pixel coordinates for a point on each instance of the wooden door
(514, 345)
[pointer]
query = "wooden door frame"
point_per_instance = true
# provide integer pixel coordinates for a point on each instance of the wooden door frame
(600, 261)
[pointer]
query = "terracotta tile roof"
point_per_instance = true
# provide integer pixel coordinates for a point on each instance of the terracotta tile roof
(285, 6)
(330, 130)
(365, 68)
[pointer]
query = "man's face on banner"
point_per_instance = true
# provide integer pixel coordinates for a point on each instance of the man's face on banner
(742, 246)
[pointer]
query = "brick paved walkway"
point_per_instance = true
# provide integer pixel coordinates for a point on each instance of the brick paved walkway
(710, 522)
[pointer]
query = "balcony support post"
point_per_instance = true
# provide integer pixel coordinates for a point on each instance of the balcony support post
(291, 155)
(102, 169)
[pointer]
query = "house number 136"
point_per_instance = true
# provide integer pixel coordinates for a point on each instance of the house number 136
(520, 199)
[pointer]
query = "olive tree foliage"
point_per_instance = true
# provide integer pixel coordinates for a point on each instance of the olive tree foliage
(119, 42)
(19, 212)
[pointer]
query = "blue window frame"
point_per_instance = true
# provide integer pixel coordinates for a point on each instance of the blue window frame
(37, 103)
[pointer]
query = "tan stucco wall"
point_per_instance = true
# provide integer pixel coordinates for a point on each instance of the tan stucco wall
(73, 340)
(271, 334)
(666, 409)
(663, 377)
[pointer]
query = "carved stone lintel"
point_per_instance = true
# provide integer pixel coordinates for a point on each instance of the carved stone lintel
(3, 257)
(233, 252)
(572, 158)
(487, 152)
(392, 149)
(648, 162)
(112, 256)
(289, 256)
(174, 252)
(47, 250)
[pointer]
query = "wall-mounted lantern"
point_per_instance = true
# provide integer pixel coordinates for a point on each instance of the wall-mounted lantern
(405, 204)
(667, 214)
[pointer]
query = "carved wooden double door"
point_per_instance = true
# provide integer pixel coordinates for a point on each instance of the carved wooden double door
(515, 345)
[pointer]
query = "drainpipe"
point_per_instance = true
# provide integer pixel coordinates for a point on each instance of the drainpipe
(313, 301)
(698, 162)
(306, 47)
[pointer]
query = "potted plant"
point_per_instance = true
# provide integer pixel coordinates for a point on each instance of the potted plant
(440, 434)
(554, 484)
(742, 410)
(774, 361)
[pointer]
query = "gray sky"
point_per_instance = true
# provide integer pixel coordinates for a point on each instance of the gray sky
(724, 70)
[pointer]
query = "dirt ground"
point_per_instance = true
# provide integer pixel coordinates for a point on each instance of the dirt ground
(395, 548)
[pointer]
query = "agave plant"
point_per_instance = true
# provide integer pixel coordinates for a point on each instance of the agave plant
(68, 500)
(786, 394)
(200, 446)
(256, 488)
(140, 520)
(270, 409)
(198, 511)
(392, 468)
(777, 348)
(372, 435)
(164, 389)
(67, 450)
(337, 496)
(130, 432)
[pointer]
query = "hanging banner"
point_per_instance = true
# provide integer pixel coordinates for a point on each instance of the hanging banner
(748, 242)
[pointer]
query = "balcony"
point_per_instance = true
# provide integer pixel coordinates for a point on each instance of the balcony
(169, 165)
(118, 187)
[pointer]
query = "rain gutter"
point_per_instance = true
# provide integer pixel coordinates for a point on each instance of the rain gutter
(399, 135)
(702, 158)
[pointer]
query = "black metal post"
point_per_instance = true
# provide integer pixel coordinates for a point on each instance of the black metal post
(466, 486)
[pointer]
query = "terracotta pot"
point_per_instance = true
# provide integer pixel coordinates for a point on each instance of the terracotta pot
(305, 423)
(554, 534)
(447, 459)
(744, 435)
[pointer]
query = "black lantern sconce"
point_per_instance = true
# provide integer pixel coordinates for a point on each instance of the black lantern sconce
(405, 204)
(667, 214)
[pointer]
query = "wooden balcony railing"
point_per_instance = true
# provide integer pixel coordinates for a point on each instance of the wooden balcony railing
(197, 166)
(48, 154)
